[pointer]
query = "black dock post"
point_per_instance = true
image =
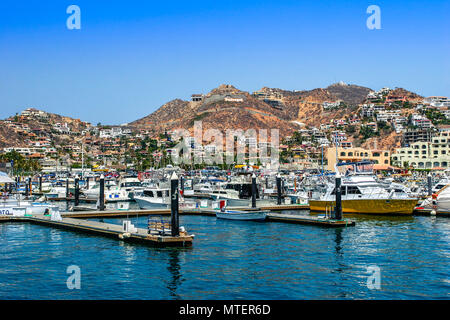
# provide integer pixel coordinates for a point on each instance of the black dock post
(278, 190)
(77, 191)
(267, 182)
(87, 183)
(253, 191)
(27, 187)
(40, 183)
(182, 185)
(174, 218)
(67, 194)
(338, 208)
(430, 188)
(102, 194)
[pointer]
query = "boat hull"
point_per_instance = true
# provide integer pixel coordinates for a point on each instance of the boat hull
(146, 204)
(243, 216)
(368, 206)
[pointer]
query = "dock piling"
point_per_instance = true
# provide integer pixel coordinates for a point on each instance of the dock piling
(278, 190)
(40, 183)
(338, 209)
(77, 192)
(253, 191)
(182, 184)
(430, 188)
(26, 188)
(174, 212)
(102, 194)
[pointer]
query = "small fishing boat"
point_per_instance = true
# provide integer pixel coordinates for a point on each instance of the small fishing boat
(242, 215)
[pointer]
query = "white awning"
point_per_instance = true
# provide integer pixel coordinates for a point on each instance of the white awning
(4, 178)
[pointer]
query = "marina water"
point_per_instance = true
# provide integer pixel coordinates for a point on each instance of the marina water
(233, 260)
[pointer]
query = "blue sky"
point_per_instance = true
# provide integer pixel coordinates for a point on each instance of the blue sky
(130, 57)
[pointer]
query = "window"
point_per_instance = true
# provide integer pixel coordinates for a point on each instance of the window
(148, 193)
(342, 190)
(353, 190)
(386, 154)
(386, 162)
(159, 194)
(342, 154)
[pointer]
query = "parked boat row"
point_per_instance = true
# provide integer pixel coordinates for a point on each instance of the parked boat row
(362, 191)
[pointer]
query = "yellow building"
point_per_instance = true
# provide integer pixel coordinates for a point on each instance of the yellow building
(425, 155)
(357, 154)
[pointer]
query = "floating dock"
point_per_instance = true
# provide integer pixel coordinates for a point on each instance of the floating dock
(106, 229)
(147, 212)
(272, 217)
(317, 221)
(427, 212)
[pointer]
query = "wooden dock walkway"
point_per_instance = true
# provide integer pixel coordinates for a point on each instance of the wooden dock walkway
(273, 217)
(107, 229)
(148, 212)
(311, 220)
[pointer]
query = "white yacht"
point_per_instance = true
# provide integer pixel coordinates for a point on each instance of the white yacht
(132, 185)
(113, 192)
(230, 196)
(442, 182)
(361, 193)
(18, 207)
(439, 201)
(153, 198)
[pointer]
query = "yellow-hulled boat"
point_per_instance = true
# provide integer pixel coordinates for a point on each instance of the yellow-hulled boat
(368, 206)
(362, 193)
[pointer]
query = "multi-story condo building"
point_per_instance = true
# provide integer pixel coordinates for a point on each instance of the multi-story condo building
(426, 155)
(415, 135)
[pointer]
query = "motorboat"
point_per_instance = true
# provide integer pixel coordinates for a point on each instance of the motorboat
(362, 193)
(230, 196)
(17, 207)
(112, 191)
(132, 185)
(439, 201)
(153, 198)
(242, 215)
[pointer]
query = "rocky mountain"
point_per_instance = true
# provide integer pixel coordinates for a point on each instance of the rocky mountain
(222, 108)
(405, 93)
(32, 124)
(227, 107)
(349, 93)
(10, 138)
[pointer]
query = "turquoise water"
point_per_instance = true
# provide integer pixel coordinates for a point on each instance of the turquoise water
(233, 260)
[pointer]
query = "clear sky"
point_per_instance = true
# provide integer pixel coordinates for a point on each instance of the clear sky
(130, 57)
